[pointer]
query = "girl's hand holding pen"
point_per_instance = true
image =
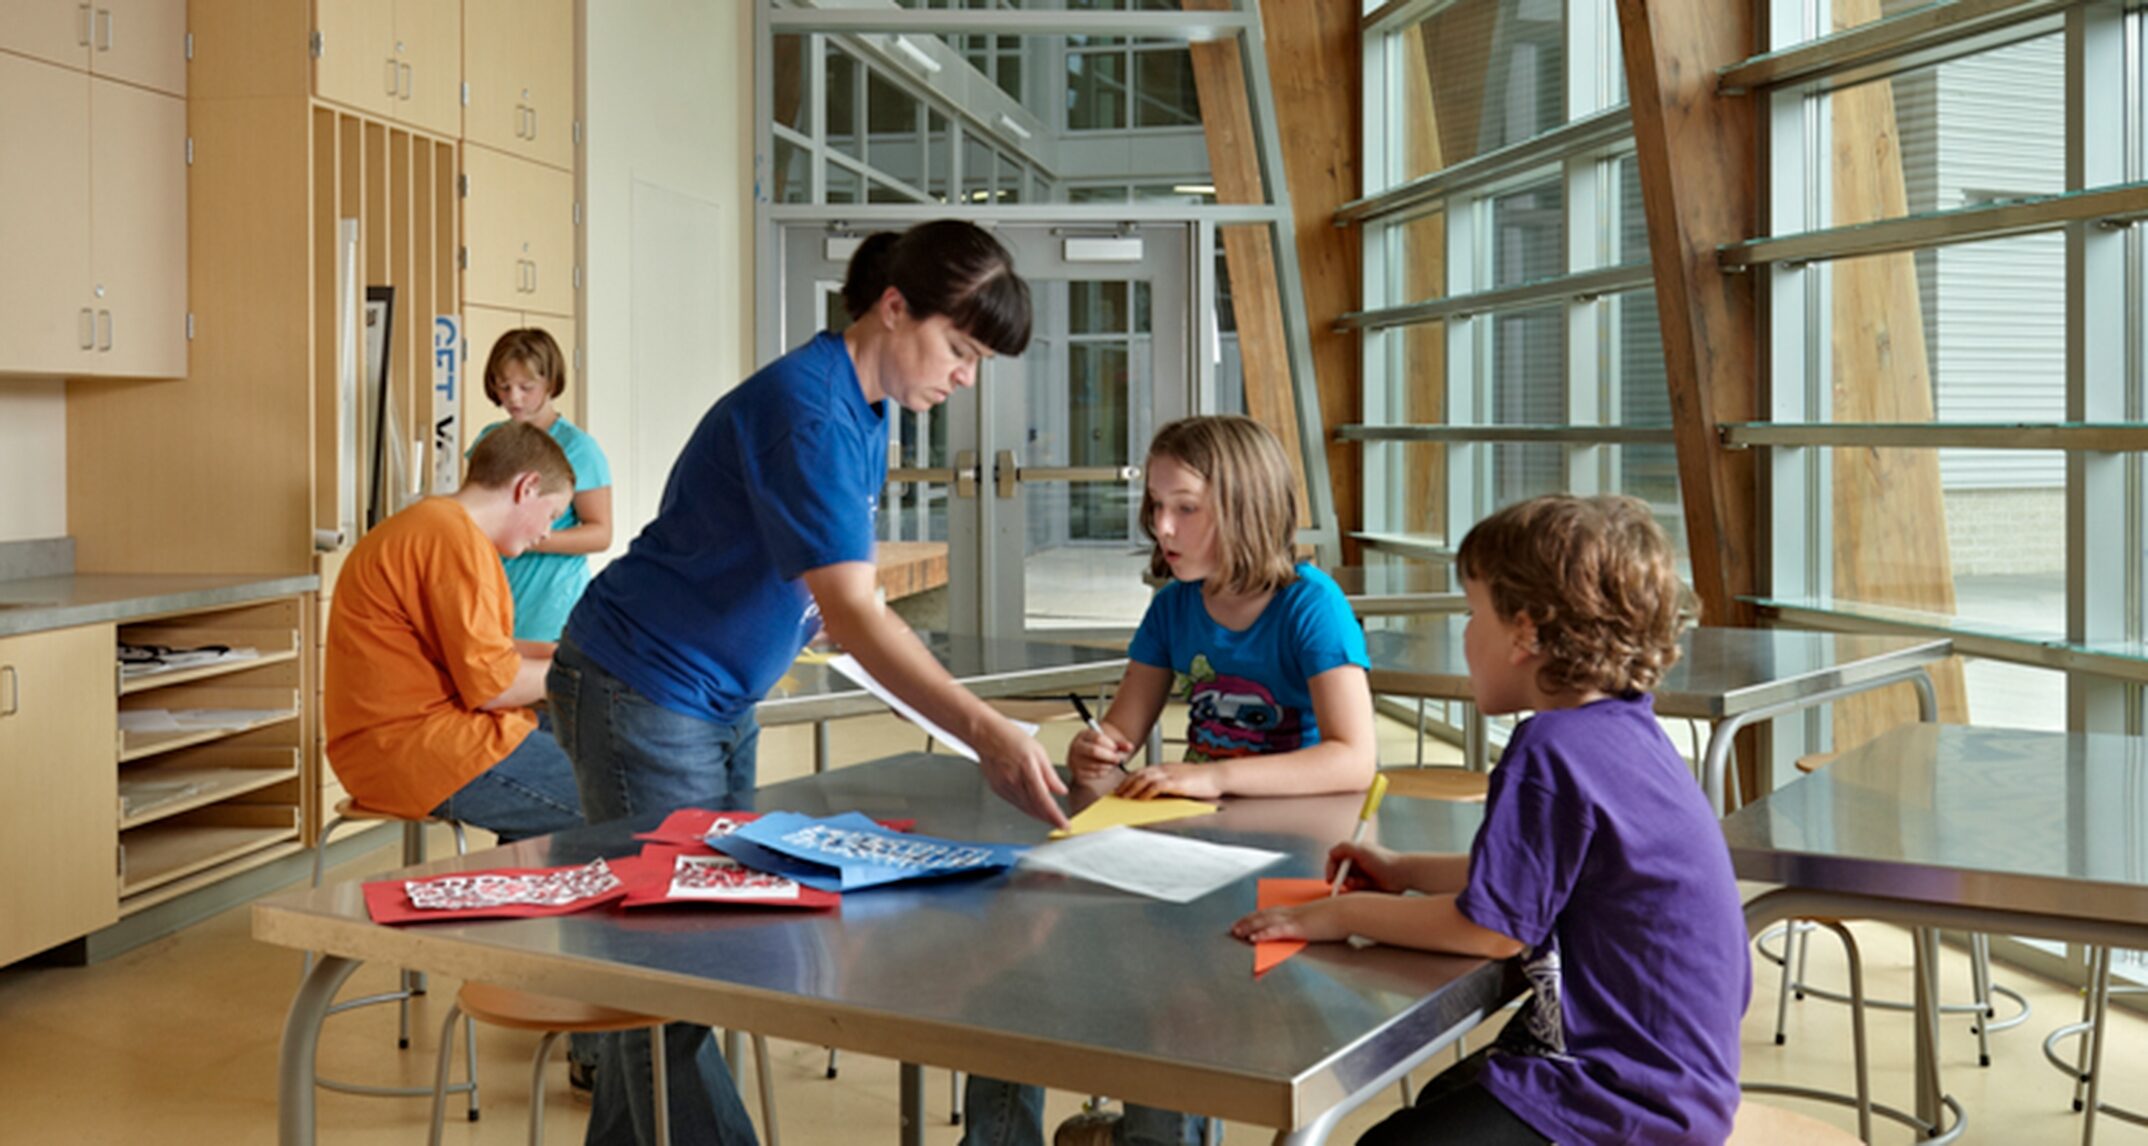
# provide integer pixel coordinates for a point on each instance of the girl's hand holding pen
(1098, 755)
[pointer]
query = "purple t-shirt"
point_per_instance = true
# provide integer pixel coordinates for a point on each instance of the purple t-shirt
(1599, 854)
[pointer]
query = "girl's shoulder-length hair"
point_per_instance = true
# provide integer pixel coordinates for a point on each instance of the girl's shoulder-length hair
(1252, 490)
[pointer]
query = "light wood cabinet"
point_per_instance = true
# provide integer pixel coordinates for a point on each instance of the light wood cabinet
(92, 225)
(57, 787)
(139, 42)
(392, 59)
(518, 57)
(518, 220)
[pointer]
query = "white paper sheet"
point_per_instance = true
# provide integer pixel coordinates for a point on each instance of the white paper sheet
(848, 665)
(1155, 864)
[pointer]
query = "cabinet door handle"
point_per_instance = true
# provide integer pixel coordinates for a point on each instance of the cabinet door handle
(14, 690)
(104, 35)
(394, 74)
(533, 125)
(104, 336)
(83, 37)
(533, 276)
(407, 86)
(89, 329)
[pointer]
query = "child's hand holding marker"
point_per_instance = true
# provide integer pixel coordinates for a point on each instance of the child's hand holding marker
(1097, 755)
(1357, 834)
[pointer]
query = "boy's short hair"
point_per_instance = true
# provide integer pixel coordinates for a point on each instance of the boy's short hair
(517, 448)
(1594, 575)
(536, 350)
(1252, 490)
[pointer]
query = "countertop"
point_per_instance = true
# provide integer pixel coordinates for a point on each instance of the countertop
(35, 604)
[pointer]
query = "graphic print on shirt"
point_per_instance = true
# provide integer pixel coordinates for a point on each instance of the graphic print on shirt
(1539, 1031)
(1232, 716)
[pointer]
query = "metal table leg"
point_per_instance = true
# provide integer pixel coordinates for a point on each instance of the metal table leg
(911, 1082)
(301, 1040)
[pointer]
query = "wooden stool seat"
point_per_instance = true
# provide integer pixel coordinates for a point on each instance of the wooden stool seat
(522, 1011)
(1760, 1124)
(1814, 761)
(1456, 784)
(348, 808)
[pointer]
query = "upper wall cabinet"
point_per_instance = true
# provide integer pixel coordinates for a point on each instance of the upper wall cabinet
(135, 41)
(518, 223)
(92, 225)
(392, 59)
(519, 60)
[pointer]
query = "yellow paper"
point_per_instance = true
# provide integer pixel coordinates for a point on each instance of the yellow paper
(1116, 811)
(816, 656)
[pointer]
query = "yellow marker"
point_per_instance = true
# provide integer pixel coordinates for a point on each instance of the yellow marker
(1364, 817)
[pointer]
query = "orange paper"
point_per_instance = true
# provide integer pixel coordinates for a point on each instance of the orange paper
(1283, 893)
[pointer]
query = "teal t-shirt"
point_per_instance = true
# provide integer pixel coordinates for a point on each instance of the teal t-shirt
(546, 585)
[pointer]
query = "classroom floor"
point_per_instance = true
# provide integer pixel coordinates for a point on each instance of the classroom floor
(176, 1041)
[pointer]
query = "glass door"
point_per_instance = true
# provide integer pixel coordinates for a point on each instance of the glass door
(1029, 483)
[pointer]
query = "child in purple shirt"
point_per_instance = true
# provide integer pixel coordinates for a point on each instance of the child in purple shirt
(1599, 861)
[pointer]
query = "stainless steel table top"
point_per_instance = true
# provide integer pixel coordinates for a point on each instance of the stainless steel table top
(1396, 589)
(989, 668)
(1720, 673)
(1023, 974)
(2048, 824)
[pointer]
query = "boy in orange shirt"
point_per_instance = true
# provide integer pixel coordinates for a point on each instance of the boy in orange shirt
(427, 698)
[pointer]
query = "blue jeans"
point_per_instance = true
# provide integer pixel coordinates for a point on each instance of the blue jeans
(996, 1113)
(632, 757)
(529, 793)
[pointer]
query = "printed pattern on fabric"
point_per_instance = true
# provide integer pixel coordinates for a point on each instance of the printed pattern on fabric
(1231, 716)
(1539, 1030)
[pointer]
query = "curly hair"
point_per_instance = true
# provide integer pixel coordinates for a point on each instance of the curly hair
(1594, 575)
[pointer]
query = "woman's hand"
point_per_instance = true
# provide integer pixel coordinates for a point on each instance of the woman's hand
(1193, 781)
(1020, 771)
(1320, 921)
(1099, 758)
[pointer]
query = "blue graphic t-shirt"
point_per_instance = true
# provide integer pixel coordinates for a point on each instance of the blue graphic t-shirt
(1247, 690)
(546, 585)
(706, 609)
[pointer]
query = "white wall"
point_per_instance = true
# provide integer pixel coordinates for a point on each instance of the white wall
(668, 282)
(33, 459)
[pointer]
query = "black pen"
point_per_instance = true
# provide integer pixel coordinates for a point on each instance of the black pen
(1083, 711)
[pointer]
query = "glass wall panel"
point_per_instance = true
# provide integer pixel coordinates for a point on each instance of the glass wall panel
(1970, 131)
(845, 185)
(1096, 91)
(1417, 258)
(894, 145)
(1165, 95)
(792, 175)
(1474, 77)
(1528, 235)
(840, 101)
(791, 105)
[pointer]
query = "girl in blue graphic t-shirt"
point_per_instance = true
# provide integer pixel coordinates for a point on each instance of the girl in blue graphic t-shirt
(1599, 861)
(1264, 652)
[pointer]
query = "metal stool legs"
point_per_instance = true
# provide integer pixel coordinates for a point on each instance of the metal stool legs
(409, 985)
(658, 1069)
(2087, 1068)
(1983, 990)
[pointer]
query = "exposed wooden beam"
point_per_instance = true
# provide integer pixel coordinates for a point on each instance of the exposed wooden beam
(1696, 150)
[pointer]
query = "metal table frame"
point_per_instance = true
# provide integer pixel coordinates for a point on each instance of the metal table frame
(1337, 1025)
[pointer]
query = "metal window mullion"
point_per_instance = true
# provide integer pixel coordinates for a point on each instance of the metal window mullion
(2096, 358)
(1460, 404)
(767, 246)
(1585, 197)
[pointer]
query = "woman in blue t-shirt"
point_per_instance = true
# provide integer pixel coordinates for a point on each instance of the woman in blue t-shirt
(1265, 653)
(764, 537)
(523, 374)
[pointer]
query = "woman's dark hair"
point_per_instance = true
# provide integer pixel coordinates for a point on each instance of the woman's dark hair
(945, 267)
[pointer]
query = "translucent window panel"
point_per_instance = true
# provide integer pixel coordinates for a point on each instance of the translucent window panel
(840, 103)
(1415, 478)
(844, 184)
(1165, 95)
(939, 156)
(881, 191)
(1096, 91)
(1528, 235)
(1008, 72)
(2014, 696)
(1474, 77)
(1526, 385)
(1973, 332)
(1191, 191)
(1099, 376)
(1896, 536)
(1010, 189)
(977, 164)
(1143, 309)
(1969, 131)
(1112, 194)
(792, 174)
(894, 145)
(1097, 307)
(790, 84)
(1630, 237)
(1417, 258)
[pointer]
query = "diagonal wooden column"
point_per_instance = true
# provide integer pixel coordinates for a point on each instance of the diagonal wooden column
(1698, 167)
